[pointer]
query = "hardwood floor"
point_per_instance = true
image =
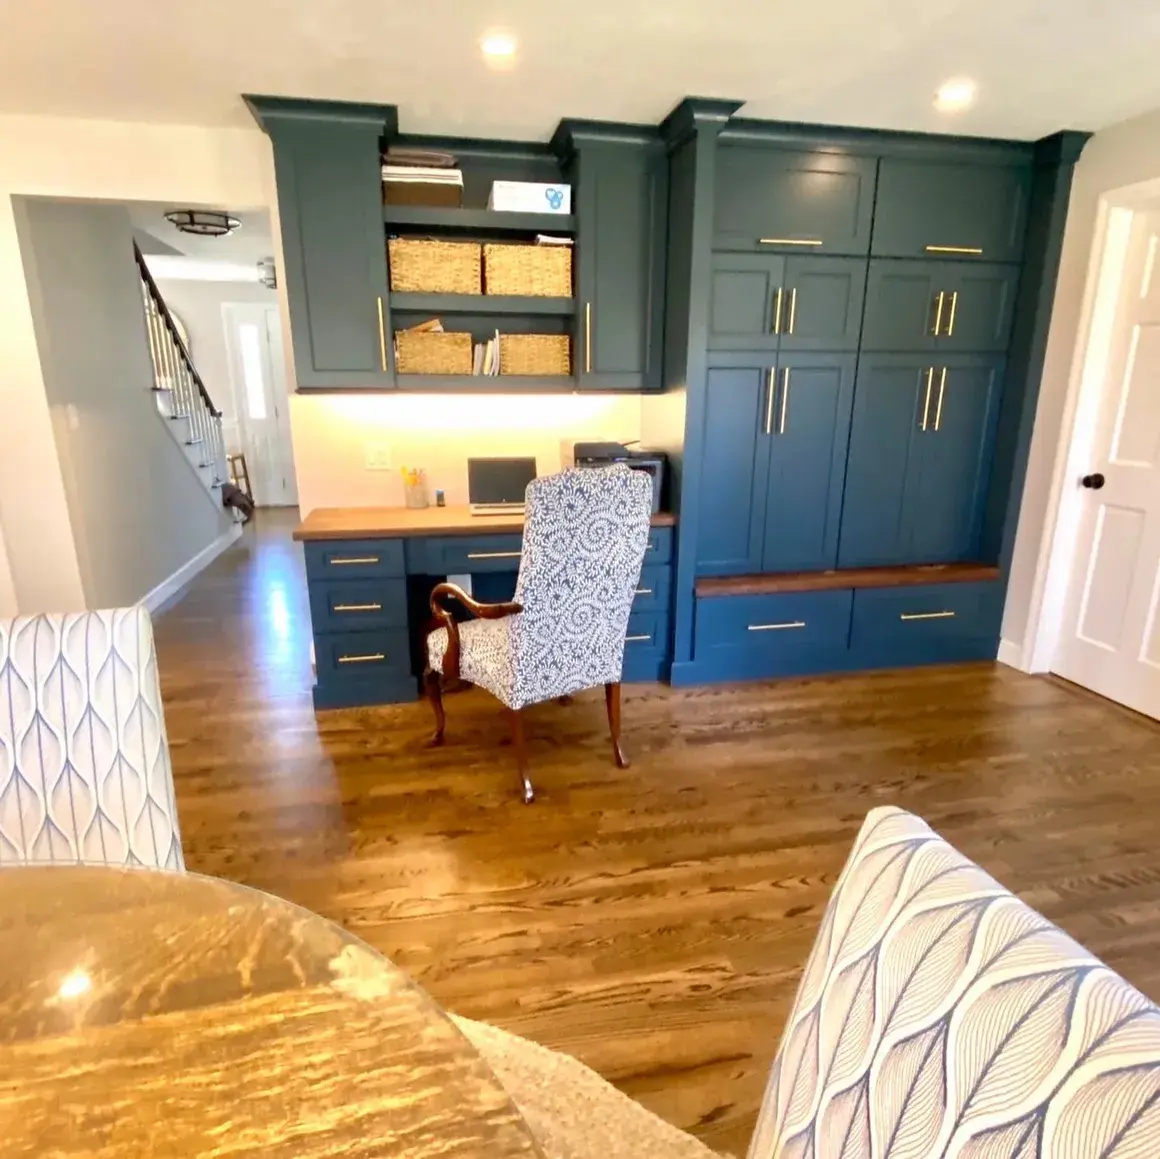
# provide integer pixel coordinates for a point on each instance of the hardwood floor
(651, 920)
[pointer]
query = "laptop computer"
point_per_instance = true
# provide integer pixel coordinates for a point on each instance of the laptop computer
(496, 486)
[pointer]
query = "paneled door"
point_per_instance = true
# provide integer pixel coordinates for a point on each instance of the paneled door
(1110, 641)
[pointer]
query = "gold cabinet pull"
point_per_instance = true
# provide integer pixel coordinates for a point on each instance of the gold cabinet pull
(587, 337)
(339, 561)
(926, 615)
(954, 306)
(938, 313)
(926, 402)
(357, 608)
(493, 555)
(790, 241)
(636, 639)
(777, 627)
(367, 659)
(382, 334)
(954, 249)
(644, 591)
(777, 312)
(784, 400)
(942, 386)
(770, 391)
(792, 309)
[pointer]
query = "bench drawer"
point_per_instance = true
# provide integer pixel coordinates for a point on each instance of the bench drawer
(774, 622)
(931, 613)
(359, 654)
(646, 630)
(455, 555)
(353, 558)
(351, 605)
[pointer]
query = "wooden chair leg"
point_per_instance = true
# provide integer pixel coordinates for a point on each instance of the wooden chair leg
(431, 685)
(612, 703)
(516, 723)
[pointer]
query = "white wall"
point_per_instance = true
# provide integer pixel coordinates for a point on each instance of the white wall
(7, 587)
(1120, 156)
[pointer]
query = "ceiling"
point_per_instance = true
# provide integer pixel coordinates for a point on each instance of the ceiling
(1041, 65)
(247, 245)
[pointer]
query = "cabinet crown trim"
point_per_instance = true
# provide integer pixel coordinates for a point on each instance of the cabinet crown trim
(572, 134)
(695, 114)
(272, 111)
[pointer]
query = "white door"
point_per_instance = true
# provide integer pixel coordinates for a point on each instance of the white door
(258, 369)
(1111, 629)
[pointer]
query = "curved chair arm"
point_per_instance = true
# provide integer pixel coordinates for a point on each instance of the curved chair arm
(448, 621)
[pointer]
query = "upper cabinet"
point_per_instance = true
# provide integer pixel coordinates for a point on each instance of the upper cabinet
(944, 209)
(771, 199)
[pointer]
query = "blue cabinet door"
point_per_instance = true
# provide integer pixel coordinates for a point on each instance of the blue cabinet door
(807, 443)
(981, 306)
(822, 303)
(734, 463)
(950, 209)
(747, 302)
(787, 200)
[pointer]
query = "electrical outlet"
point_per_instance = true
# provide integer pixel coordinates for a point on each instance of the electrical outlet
(378, 456)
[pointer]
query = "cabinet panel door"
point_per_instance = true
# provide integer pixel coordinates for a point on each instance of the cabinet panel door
(776, 199)
(621, 203)
(981, 307)
(807, 461)
(822, 303)
(883, 468)
(334, 248)
(734, 462)
(947, 506)
(941, 208)
(902, 305)
(747, 295)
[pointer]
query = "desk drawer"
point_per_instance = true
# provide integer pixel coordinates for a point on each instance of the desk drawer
(646, 631)
(351, 605)
(660, 546)
(774, 623)
(353, 558)
(454, 555)
(358, 654)
(937, 612)
(652, 591)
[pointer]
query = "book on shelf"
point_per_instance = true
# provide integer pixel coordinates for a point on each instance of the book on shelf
(551, 239)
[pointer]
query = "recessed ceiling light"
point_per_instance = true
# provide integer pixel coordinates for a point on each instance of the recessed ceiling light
(955, 95)
(498, 48)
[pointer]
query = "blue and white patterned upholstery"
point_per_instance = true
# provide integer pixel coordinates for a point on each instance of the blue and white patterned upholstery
(938, 1016)
(84, 760)
(585, 535)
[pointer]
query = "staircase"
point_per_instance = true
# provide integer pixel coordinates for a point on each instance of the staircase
(182, 399)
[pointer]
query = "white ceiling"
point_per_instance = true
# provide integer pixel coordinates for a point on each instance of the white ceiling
(247, 245)
(1041, 65)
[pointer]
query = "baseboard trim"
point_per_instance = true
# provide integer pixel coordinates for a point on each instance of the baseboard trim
(1011, 654)
(168, 588)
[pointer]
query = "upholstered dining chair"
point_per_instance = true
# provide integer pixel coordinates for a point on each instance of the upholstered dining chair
(937, 1016)
(84, 761)
(585, 535)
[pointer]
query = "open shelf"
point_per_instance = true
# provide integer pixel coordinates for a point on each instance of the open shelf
(481, 304)
(489, 220)
(854, 577)
(498, 384)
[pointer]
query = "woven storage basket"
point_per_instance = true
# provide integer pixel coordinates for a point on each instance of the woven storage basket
(424, 352)
(534, 354)
(422, 266)
(529, 271)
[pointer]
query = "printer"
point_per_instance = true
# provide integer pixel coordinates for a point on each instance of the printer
(598, 454)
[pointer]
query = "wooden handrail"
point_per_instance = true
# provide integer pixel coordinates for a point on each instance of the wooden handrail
(174, 333)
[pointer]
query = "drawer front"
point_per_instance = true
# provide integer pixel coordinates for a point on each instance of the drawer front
(660, 546)
(353, 558)
(910, 616)
(798, 620)
(652, 591)
(351, 605)
(455, 555)
(351, 655)
(646, 631)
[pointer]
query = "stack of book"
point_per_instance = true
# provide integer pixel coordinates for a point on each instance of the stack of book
(485, 357)
(413, 177)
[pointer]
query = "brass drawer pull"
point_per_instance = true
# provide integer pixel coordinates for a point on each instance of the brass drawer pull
(954, 249)
(954, 307)
(338, 561)
(493, 555)
(636, 639)
(777, 627)
(942, 387)
(587, 337)
(926, 616)
(644, 591)
(926, 402)
(362, 659)
(784, 398)
(792, 309)
(777, 312)
(938, 313)
(382, 335)
(793, 241)
(772, 391)
(357, 608)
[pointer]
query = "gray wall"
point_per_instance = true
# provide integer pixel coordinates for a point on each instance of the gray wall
(139, 512)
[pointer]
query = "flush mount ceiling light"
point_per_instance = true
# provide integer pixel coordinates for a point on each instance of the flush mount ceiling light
(203, 222)
(499, 49)
(955, 95)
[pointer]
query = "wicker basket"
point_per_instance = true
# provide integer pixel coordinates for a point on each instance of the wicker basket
(426, 352)
(422, 266)
(529, 271)
(534, 354)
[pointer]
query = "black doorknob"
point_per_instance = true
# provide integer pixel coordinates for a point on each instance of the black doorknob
(1094, 482)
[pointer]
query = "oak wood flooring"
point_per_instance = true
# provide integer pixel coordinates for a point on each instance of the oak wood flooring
(653, 920)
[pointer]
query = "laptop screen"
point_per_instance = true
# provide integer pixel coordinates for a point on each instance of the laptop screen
(499, 480)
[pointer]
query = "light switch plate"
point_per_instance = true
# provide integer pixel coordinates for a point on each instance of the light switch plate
(377, 456)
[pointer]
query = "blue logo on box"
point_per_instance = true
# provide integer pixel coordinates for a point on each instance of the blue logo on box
(555, 198)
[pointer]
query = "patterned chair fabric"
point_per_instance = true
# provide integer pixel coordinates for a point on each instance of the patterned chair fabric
(84, 760)
(585, 535)
(938, 1016)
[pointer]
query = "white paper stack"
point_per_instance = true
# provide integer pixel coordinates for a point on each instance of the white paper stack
(422, 175)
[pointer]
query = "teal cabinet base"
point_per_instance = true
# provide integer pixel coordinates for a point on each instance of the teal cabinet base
(363, 691)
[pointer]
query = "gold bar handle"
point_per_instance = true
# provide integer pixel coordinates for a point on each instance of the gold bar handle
(636, 639)
(954, 306)
(357, 608)
(938, 313)
(777, 627)
(942, 386)
(644, 591)
(382, 334)
(777, 312)
(493, 555)
(792, 309)
(790, 241)
(587, 337)
(954, 249)
(926, 615)
(784, 400)
(926, 402)
(770, 392)
(339, 561)
(369, 658)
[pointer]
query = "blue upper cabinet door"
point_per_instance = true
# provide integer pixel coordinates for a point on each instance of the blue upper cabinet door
(946, 508)
(748, 301)
(893, 401)
(807, 443)
(946, 209)
(771, 199)
(978, 311)
(822, 303)
(734, 463)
